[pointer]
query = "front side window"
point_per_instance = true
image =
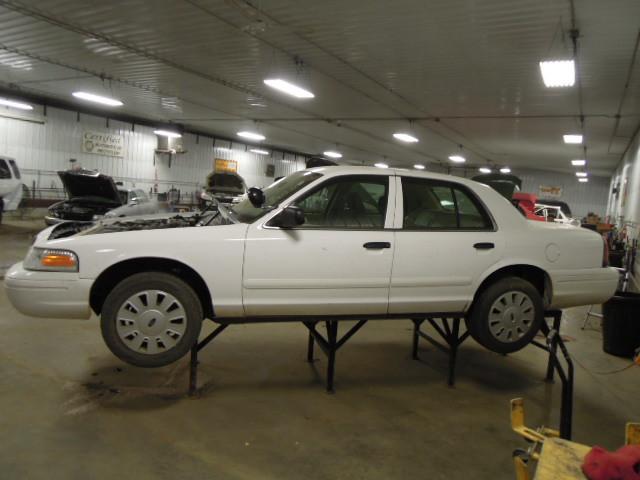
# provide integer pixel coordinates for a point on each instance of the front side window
(350, 202)
(434, 205)
(4, 170)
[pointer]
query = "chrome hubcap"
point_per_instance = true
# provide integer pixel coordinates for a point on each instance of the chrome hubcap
(151, 322)
(511, 316)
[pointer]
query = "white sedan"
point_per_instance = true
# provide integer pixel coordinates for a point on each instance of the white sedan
(334, 242)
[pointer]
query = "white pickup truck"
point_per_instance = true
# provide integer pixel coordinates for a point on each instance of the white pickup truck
(329, 242)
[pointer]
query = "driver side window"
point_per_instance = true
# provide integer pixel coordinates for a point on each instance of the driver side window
(352, 202)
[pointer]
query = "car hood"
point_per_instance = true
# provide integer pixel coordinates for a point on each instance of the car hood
(89, 184)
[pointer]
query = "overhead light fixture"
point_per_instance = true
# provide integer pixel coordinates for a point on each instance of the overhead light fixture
(505, 170)
(583, 180)
(13, 104)
(259, 152)
(405, 137)
(251, 135)
(381, 165)
(457, 158)
(288, 88)
(578, 163)
(91, 97)
(332, 154)
(581, 174)
(484, 170)
(558, 73)
(418, 166)
(572, 138)
(167, 133)
(223, 149)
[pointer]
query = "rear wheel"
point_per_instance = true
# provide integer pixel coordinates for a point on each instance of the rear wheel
(151, 319)
(507, 315)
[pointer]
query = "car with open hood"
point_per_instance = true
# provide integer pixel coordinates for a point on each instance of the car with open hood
(91, 195)
(226, 187)
(331, 242)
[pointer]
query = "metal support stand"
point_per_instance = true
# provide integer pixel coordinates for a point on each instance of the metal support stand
(193, 365)
(557, 318)
(450, 334)
(554, 340)
(329, 345)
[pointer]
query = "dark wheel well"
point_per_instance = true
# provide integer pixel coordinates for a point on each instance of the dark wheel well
(536, 276)
(115, 273)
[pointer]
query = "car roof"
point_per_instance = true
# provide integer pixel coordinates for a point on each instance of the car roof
(357, 170)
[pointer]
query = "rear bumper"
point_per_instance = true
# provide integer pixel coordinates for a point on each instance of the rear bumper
(48, 294)
(592, 286)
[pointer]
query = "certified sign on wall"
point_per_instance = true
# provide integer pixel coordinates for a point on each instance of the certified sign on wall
(221, 165)
(548, 191)
(103, 144)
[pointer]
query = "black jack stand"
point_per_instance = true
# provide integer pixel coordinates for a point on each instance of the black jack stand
(193, 364)
(329, 345)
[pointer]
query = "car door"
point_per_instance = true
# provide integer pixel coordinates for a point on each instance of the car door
(337, 263)
(445, 239)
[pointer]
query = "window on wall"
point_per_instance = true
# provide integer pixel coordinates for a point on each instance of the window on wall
(433, 205)
(354, 202)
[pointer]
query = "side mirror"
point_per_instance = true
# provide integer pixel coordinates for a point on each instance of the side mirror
(256, 197)
(290, 217)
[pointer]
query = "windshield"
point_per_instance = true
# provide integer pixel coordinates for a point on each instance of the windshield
(275, 193)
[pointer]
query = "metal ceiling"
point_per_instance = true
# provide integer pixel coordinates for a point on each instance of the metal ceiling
(465, 71)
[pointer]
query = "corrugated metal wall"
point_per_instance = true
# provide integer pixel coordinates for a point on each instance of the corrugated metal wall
(43, 149)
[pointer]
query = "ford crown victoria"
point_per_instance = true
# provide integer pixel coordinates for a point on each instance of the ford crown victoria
(332, 242)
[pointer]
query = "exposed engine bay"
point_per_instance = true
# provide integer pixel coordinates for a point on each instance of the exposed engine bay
(199, 219)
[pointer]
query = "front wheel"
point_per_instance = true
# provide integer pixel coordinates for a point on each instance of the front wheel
(151, 319)
(507, 315)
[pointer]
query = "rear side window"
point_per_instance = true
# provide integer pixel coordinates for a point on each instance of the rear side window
(434, 205)
(15, 169)
(4, 170)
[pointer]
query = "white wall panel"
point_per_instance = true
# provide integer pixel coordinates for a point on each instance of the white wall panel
(43, 149)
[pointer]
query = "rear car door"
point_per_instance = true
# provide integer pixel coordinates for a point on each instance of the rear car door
(337, 263)
(445, 240)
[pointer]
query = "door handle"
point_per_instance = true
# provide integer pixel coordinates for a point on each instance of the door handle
(484, 246)
(376, 245)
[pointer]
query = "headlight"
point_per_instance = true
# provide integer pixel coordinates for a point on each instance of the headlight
(51, 260)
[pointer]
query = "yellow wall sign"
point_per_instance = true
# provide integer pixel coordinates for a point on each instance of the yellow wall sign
(221, 165)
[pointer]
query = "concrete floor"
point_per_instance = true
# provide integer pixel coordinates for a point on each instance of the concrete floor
(71, 410)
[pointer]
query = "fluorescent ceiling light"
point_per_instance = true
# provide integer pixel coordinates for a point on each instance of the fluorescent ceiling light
(381, 165)
(578, 163)
(405, 137)
(505, 170)
(561, 73)
(572, 138)
(583, 180)
(90, 97)
(13, 104)
(288, 88)
(484, 170)
(332, 154)
(457, 158)
(224, 149)
(418, 166)
(581, 174)
(251, 135)
(259, 152)
(167, 133)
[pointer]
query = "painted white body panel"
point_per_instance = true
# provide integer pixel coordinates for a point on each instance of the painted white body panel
(10, 189)
(258, 271)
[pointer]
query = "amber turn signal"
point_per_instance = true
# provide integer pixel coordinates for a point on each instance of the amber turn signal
(56, 260)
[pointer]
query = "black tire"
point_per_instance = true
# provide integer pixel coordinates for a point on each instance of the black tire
(178, 322)
(513, 328)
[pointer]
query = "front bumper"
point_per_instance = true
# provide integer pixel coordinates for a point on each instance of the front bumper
(591, 286)
(48, 294)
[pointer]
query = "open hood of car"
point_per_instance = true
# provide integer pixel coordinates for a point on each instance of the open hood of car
(89, 183)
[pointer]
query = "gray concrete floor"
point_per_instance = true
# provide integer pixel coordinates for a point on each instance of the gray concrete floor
(70, 409)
